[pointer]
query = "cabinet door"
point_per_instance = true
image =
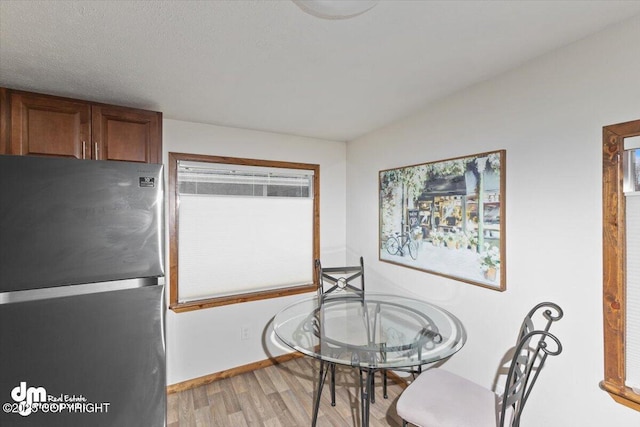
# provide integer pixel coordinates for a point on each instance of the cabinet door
(42, 125)
(5, 117)
(126, 134)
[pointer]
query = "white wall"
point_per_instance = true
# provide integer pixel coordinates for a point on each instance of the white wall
(548, 115)
(206, 341)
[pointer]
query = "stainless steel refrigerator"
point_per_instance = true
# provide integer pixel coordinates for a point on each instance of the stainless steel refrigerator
(81, 293)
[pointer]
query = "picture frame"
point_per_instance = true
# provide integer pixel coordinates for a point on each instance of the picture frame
(447, 218)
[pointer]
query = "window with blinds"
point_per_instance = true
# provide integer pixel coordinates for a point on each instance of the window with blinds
(631, 184)
(244, 229)
(621, 262)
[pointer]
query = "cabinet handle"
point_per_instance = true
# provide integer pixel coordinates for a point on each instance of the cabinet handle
(84, 149)
(96, 156)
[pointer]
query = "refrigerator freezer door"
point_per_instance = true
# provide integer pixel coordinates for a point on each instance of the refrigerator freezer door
(69, 221)
(100, 357)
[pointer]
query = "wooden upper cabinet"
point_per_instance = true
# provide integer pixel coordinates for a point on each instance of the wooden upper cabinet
(126, 134)
(49, 126)
(4, 120)
(43, 125)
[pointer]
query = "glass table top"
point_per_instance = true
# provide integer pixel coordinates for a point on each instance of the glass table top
(378, 331)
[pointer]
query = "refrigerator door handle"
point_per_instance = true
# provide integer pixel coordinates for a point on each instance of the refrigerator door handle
(72, 290)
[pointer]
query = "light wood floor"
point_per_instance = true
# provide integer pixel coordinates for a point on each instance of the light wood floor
(280, 396)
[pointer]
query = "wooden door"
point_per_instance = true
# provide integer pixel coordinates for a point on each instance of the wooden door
(49, 126)
(121, 133)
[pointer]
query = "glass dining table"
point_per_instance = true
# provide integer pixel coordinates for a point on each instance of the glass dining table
(371, 333)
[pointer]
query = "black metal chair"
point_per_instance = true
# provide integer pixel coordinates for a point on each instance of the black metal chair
(331, 282)
(440, 398)
(336, 279)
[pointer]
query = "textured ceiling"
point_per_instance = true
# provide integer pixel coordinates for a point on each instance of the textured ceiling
(267, 65)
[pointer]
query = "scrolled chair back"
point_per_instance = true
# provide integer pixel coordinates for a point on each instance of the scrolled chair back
(531, 351)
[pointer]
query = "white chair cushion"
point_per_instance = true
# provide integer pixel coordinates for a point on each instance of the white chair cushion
(438, 398)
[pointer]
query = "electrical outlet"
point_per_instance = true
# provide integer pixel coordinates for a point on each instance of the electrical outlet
(244, 333)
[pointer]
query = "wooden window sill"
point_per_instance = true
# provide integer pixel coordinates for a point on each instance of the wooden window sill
(234, 299)
(623, 395)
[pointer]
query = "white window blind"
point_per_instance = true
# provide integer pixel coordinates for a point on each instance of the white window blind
(631, 181)
(632, 142)
(243, 229)
(633, 291)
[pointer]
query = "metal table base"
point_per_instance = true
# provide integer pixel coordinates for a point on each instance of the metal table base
(366, 385)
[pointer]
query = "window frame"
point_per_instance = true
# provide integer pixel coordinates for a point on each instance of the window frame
(174, 213)
(614, 263)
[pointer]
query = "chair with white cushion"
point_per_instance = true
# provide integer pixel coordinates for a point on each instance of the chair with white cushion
(438, 398)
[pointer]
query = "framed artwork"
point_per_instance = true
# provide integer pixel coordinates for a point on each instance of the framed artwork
(447, 218)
